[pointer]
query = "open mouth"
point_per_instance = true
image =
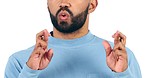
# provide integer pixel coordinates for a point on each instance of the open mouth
(63, 15)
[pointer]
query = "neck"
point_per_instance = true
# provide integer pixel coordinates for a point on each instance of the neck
(77, 34)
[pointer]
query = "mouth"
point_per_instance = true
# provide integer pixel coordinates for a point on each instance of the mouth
(63, 16)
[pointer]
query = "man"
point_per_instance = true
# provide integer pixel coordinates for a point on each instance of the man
(71, 51)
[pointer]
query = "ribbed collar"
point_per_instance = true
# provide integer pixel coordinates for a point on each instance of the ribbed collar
(71, 43)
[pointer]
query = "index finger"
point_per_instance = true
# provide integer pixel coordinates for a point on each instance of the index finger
(122, 38)
(119, 37)
(43, 35)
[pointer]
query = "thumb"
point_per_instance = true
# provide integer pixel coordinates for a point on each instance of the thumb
(50, 54)
(107, 47)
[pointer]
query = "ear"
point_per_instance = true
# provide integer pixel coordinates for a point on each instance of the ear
(93, 5)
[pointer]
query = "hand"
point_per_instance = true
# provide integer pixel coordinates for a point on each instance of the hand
(116, 58)
(40, 56)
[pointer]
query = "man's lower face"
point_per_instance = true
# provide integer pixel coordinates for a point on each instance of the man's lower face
(66, 22)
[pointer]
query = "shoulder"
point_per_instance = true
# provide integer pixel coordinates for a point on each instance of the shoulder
(129, 52)
(21, 56)
(16, 62)
(97, 40)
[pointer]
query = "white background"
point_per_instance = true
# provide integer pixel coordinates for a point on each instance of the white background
(20, 20)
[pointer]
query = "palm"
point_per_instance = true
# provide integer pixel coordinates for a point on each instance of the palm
(116, 58)
(41, 56)
(44, 61)
(115, 62)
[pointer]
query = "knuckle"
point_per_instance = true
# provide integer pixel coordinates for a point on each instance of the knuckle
(39, 49)
(37, 34)
(38, 44)
(42, 44)
(124, 36)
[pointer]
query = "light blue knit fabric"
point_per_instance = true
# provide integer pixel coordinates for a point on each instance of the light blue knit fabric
(83, 57)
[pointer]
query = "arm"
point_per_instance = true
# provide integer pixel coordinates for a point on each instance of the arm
(120, 59)
(15, 70)
(133, 70)
(39, 60)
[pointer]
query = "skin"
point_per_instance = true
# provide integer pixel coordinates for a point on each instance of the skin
(41, 56)
(116, 57)
(76, 7)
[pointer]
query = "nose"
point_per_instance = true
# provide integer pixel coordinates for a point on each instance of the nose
(65, 3)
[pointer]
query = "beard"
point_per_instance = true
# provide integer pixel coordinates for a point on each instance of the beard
(75, 23)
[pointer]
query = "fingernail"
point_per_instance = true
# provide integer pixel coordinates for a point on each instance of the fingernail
(118, 31)
(45, 30)
(113, 36)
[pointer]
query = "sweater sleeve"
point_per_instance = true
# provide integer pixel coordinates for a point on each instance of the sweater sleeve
(15, 70)
(133, 70)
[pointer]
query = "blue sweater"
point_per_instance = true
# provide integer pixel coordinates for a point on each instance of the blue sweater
(83, 57)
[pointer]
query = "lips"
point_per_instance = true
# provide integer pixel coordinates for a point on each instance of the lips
(63, 15)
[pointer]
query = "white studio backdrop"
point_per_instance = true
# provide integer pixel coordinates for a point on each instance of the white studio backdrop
(20, 20)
